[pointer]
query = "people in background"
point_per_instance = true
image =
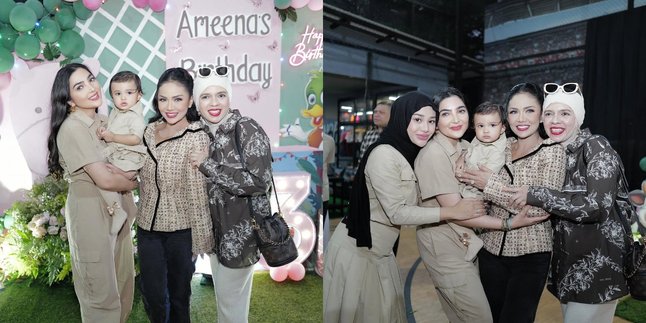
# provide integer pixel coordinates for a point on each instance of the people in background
(380, 117)
(590, 225)
(102, 263)
(361, 281)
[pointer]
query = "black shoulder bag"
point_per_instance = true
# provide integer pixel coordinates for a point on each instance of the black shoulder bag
(272, 233)
(635, 255)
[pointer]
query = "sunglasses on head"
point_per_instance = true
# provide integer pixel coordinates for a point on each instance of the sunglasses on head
(569, 88)
(218, 70)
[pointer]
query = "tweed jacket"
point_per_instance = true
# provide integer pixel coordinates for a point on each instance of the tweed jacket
(589, 235)
(172, 192)
(232, 180)
(543, 166)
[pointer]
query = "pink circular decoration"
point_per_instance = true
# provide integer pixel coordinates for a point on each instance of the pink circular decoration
(140, 3)
(296, 271)
(5, 80)
(315, 5)
(299, 3)
(278, 274)
(92, 4)
(157, 5)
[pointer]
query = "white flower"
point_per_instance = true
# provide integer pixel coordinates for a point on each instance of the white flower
(52, 230)
(31, 225)
(53, 220)
(39, 232)
(43, 219)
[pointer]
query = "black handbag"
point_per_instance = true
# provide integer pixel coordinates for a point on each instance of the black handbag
(635, 270)
(272, 233)
(635, 254)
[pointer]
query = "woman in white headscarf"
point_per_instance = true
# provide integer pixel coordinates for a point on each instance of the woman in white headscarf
(238, 167)
(586, 273)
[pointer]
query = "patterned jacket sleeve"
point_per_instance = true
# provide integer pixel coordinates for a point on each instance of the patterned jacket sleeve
(552, 163)
(255, 177)
(585, 204)
(199, 217)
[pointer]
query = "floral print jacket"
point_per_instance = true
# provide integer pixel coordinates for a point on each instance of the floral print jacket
(589, 232)
(230, 185)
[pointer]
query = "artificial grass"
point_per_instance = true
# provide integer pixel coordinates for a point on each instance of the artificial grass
(270, 302)
(632, 310)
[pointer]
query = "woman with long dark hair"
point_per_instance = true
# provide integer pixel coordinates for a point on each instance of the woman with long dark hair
(173, 223)
(102, 264)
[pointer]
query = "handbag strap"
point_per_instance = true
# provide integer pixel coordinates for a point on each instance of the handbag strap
(244, 165)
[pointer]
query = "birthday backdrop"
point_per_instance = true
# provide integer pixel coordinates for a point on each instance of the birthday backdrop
(273, 50)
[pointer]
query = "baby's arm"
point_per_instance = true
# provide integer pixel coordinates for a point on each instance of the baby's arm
(109, 136)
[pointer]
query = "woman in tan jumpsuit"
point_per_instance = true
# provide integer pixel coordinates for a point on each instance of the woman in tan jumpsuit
(102, 264)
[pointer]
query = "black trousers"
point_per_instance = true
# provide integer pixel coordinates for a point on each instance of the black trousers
(166, 269)
(513, 285)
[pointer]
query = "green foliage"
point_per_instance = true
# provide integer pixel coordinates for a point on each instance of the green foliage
(631, 310)
(286, 13)
(36, 247)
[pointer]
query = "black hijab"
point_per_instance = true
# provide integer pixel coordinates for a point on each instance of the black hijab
(395, 134)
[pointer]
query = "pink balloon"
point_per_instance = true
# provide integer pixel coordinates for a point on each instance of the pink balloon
(5, 80)
(140, 3)
(278, 274)
(20, 69)
(92, 4)
(299, 3)
(315, 5)
(296, 271)
(157, 5)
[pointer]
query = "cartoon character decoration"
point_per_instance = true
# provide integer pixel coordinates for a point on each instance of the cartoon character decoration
(637, 198)
(25, 126)
(314, 112)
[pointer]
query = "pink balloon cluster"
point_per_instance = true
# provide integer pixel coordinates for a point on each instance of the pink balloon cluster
(155, 5)
(295, 271)
(314, 5)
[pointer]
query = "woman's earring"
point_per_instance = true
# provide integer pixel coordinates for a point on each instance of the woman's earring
(71, 109)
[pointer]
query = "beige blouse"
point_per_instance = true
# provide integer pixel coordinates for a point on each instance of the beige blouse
(393, 190)
(544, 166)
(173, 193)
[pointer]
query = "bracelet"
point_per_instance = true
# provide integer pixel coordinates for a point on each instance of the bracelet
(509, 223)
(502, 225)
(506, 224)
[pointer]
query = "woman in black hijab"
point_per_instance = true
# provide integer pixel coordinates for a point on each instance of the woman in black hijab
(361, 281)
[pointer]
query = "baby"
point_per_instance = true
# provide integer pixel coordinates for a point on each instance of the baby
(488, 147)
(124, 134)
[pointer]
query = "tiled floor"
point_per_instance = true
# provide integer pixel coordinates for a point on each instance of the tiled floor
(425, 305)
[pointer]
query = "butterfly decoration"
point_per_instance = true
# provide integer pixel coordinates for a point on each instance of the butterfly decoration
(254, 97)
(187, 5)
(225, 45)
(273, 45)
(256, 3)
(177, 48)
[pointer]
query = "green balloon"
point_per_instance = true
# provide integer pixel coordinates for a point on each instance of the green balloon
(8, 37)
(37, 7)
(5, 8)
(51, 5)
(27, 46)
(6, 60)
(22, 18)
(48, 31)
(81, 11)
(71, 44)
(642, 164)
(65, 18)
